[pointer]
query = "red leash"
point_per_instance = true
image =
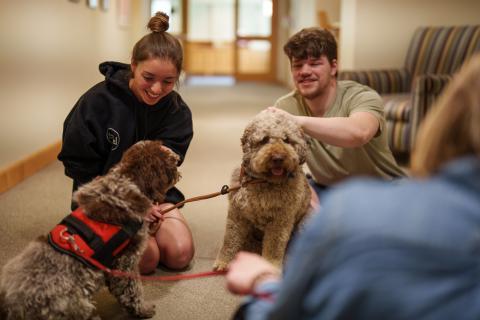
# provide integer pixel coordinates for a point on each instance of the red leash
(123, 274)
(131, 275)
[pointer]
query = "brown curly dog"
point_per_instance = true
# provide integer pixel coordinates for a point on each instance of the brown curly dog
(274, 149)
(43, 283)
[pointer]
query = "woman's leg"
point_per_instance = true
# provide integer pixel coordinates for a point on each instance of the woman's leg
(175, 240)
(171, 245)
(151, 256)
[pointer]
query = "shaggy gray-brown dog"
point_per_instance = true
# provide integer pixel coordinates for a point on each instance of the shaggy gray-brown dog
(43, 283)
(274, 148)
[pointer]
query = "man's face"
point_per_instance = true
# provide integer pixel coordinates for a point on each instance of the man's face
(312, 76)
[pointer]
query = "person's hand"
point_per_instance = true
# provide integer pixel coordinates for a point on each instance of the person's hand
(248, 270)
(276, 110)
(314, 200)
(155, 214)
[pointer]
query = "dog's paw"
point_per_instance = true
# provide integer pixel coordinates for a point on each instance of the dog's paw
(220, 265)
(146, 310)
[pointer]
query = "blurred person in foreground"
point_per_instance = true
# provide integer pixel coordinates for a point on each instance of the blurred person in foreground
(377, 250)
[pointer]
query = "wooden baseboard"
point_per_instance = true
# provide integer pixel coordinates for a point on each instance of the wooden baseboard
(24, 168)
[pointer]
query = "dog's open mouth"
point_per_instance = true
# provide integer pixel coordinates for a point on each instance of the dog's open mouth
(277, 171)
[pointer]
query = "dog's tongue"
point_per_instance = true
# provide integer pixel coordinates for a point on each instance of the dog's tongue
(277, 171)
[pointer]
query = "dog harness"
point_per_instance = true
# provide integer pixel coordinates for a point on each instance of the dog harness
(93, 243)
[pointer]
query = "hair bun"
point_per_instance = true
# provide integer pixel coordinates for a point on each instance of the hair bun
(159, 22)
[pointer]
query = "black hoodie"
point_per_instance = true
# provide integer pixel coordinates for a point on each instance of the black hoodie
(108, 119)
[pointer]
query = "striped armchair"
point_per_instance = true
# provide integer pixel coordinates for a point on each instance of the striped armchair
(434, 54)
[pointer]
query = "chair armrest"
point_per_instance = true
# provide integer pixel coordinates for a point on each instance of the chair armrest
(426, 89)
(382, 81)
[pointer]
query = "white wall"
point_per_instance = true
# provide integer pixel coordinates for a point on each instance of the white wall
(348, 34)
(283, 27)
(50, 55)
(332, 7)
(303, 14)
(376, 33)
(294, 15)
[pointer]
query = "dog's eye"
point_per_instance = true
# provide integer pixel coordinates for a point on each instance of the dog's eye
(264, 140)
(286, 140)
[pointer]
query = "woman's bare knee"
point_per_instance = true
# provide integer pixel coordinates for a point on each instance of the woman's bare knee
(150, 258)
(175, 241)
(177, 254)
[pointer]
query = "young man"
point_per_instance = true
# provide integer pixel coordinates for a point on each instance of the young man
(344, 119)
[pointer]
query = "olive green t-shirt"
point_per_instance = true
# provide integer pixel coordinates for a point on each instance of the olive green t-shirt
(330, 164)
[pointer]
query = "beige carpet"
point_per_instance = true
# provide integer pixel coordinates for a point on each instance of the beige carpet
(220, 114)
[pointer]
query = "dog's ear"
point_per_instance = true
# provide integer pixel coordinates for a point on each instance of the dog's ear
(246, 144)
(244, 140)
(171, 169)
(152, 167)
(302, 146)
(167, 175)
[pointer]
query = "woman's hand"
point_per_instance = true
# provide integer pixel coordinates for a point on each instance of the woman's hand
(247, 271)
(155, 214)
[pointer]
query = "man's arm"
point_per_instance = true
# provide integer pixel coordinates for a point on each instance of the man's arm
(347, 132)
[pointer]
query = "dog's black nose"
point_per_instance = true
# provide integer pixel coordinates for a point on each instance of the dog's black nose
(277, 159)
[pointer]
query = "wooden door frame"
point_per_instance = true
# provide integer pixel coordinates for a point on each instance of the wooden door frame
(184, 20)
(271, 76)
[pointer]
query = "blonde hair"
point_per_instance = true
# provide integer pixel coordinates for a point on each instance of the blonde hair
(452, 128)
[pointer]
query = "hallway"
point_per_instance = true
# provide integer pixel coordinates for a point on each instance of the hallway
(219, 113)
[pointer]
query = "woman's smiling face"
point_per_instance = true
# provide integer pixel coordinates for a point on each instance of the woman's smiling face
(153, 79)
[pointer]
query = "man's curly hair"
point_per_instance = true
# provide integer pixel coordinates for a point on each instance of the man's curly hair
(311, 42)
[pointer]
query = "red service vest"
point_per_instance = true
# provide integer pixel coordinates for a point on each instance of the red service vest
(94, 243)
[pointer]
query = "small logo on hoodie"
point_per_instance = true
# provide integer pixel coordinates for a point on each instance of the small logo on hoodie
(113, 138)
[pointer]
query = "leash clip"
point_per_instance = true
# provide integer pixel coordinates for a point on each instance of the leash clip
(225, 189)
(71, 240)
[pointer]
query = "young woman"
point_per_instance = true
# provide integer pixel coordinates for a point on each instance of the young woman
(136, 102)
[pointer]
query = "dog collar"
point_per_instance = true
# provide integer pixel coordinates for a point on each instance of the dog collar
(94, 243)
